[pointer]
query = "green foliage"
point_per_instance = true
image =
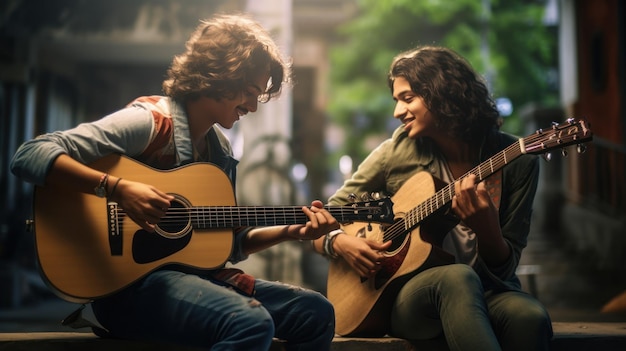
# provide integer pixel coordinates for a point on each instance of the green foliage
(505, 41)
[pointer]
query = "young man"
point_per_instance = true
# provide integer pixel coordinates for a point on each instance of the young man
(230, 64)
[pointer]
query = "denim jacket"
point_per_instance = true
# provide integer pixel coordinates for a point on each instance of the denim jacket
(146, 127)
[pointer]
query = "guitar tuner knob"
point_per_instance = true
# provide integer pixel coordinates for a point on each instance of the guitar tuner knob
(352, 197)
(564, 152)
(547, 156)
(366, 197)
(581, 148)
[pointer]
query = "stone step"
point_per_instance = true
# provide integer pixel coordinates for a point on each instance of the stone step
(570, 336)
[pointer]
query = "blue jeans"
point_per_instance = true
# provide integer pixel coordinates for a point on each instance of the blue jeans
(174, 307)
(450, 299)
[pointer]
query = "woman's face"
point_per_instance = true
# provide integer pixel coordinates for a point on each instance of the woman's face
(411, 110)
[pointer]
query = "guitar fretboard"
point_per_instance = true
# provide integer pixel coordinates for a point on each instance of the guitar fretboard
(214, 217)
(444, 195)
(234, 216)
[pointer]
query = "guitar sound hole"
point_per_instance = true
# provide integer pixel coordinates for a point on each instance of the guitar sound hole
(177, 220)
(397, 243)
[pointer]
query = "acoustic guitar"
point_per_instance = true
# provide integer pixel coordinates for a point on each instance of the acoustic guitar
(88, 248)
(363, 306)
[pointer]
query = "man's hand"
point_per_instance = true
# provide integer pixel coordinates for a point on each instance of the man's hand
(320, 222)
(144, 204)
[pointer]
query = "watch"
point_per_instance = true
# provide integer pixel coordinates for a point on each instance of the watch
(101, 189)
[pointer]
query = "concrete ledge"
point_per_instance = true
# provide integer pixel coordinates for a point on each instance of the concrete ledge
(568, 337)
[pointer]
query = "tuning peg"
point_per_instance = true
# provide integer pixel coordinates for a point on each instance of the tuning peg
(555, 124)
(366, 197)
(564, 152)
(376, 195)
(352, 197)
(547, 156)
(581, 148)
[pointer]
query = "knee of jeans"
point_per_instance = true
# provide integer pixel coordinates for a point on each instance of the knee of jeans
(533, 317)
(324, 310)
(320, 315)
(255, 320)
(461, 275)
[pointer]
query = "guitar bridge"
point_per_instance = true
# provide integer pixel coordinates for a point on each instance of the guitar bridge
(115, 234)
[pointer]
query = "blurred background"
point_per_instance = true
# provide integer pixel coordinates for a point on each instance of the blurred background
(64, 62)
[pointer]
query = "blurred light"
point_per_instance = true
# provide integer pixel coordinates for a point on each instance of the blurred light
(345, 165)
(505, 106)
(299, 172)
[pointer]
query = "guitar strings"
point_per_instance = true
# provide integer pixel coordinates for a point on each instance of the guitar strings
(498, 161)
(415, 216)
(228, 216)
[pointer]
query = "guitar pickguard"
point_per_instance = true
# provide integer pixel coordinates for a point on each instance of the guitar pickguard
(150, 247)
(391, 264)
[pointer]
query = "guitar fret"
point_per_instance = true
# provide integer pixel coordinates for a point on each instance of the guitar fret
(236, 212)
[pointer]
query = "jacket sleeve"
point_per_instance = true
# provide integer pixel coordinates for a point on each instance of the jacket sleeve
(127, 131)
(519, 187)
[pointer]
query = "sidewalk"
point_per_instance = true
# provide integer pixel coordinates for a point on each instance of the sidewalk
(38, 327)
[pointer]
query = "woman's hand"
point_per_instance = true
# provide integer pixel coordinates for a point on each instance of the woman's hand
(363, 255)
(473, 205)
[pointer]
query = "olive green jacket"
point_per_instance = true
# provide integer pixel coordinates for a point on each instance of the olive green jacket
(398, 158)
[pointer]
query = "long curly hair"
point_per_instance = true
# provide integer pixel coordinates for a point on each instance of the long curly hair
(223, 55)
(452, 91)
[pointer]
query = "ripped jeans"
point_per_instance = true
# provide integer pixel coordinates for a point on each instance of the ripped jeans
(173, 307)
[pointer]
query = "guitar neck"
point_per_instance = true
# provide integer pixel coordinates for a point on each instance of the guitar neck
(235, 216)
(444, 195)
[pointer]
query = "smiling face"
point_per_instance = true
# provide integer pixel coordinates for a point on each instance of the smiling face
(411, 110)
(205, 111)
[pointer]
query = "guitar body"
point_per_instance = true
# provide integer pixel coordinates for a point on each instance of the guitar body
(72, 237)
(363, 307)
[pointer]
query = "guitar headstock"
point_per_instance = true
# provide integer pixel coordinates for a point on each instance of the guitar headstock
(379, 211)
(560, 135)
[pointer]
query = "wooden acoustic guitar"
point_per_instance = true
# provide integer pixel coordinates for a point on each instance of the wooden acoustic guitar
(88, 248)
(363, 306)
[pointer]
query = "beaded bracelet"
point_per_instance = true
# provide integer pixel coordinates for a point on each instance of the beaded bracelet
(101, 189)
(328, 242)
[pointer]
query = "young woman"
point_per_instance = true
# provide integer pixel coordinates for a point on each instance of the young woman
(449, 125)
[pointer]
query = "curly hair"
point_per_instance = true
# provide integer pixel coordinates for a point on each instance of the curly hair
(223, 55)
(452, 91)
